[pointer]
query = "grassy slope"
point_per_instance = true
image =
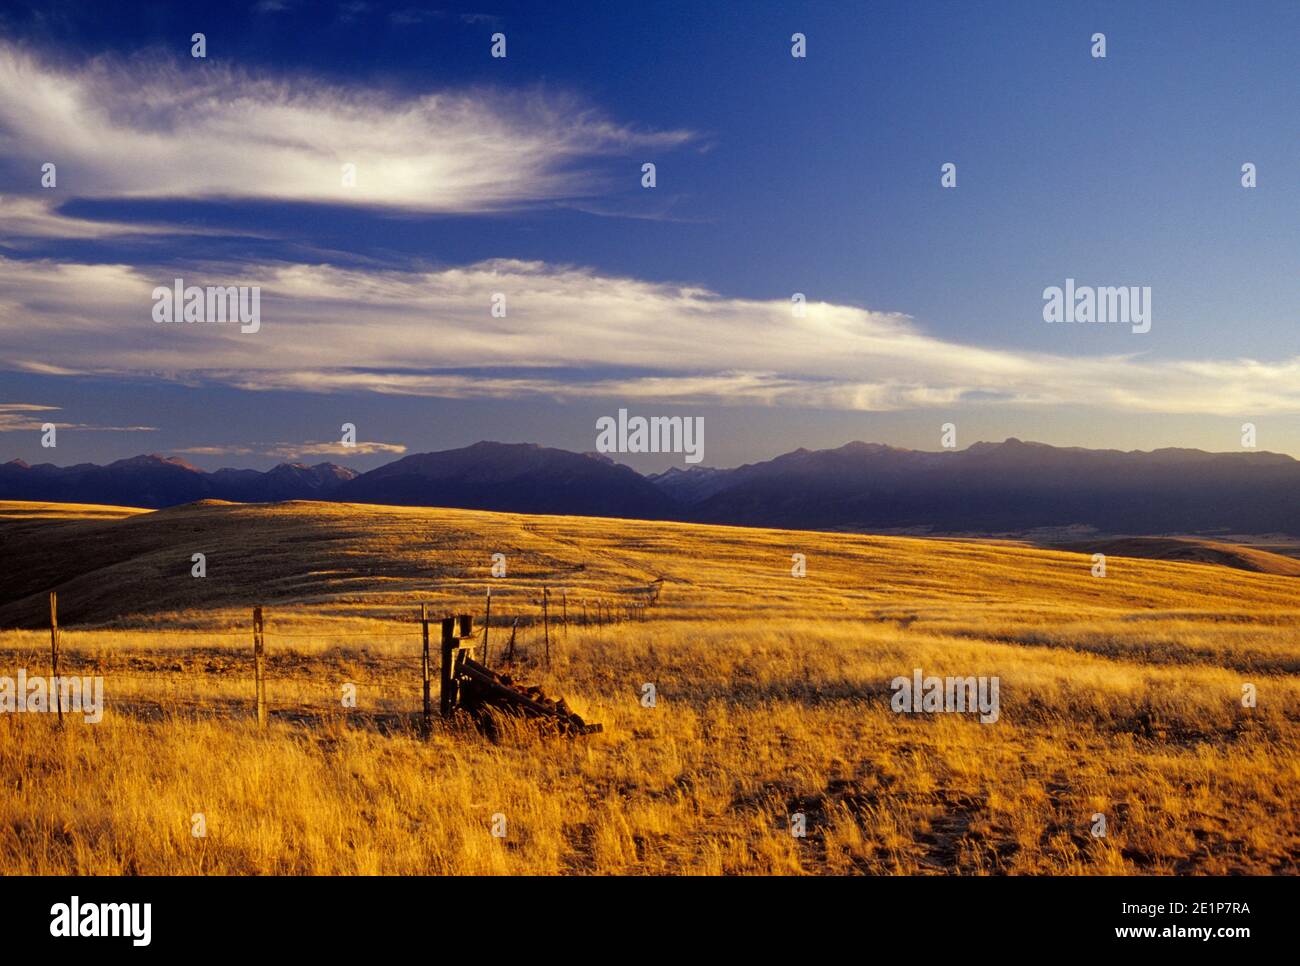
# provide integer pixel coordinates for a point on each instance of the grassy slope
(1119, 695)
(126, 566)
(1193, 550)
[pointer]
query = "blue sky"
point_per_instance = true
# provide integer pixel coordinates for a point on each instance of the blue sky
(478, 175)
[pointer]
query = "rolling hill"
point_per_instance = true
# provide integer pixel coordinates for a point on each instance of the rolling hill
(1188, 550)
(1120, 695)
(112, 564)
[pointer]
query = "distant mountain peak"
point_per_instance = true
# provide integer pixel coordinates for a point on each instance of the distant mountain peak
(1010, 443)
(676, 471)
(492, 444)
(514, 477)
(156, 459)
(861, 444)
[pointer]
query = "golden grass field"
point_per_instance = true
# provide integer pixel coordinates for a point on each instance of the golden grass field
(1119, 695)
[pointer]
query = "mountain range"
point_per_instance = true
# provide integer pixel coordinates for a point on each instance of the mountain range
(160, 481)
(1010, 486)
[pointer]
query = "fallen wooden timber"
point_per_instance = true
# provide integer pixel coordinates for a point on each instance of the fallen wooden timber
(480, 689)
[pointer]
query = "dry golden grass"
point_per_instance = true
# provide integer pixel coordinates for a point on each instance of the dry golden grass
(1119, 695)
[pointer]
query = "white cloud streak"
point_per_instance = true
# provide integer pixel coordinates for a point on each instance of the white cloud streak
(572, 333)
(32, 417)
(153, 127)
(294, 450)
(25, 219)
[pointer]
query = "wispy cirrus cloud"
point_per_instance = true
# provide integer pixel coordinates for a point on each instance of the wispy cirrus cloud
(290, 451)
(23, 417)
(34, 217)
(26, 218)
(573, 333)
(156, 127)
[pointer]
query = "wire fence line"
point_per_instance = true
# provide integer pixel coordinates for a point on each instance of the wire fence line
(554, 614)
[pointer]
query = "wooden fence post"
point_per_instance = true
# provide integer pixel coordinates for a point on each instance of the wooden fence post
(426, 671)
(448, 701)
(487, 623)
(54, 655)
(259, 667)
(546, 623)
(564, 605)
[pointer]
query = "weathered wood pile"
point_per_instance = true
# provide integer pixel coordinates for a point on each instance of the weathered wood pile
(481, 691)
(487, 695)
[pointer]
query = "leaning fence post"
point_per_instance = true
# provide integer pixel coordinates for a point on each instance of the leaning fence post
(259, 667)
(54, 655)
(425, 669)
(447, 703)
